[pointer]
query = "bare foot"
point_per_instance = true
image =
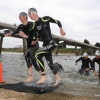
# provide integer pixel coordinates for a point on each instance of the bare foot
(29, 79)
(57, 81)
(42, 80)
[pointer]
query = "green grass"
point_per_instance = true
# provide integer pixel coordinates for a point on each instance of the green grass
(12, 49)
(60, 50)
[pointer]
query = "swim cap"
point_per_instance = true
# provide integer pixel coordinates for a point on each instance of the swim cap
(85, 54)
(23, 14)
(97, 53)
(32, 10)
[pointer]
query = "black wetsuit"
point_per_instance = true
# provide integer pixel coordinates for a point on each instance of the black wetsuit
(85, 64)
(98, 62)
(42, 27)
(32, 36)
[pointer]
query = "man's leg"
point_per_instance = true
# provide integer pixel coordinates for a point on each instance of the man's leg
(33, 59)
(39, 57)
(48, 57)
(30, 76)
(42, 79)
(29, 65)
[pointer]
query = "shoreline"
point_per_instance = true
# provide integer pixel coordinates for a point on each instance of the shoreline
(14, 95)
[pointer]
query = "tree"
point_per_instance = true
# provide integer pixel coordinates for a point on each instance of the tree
(86, 41)
(97, 44)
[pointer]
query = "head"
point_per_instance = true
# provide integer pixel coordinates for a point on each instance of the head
(85, 55)
(32, 12)
(23, 16)
(97, 54)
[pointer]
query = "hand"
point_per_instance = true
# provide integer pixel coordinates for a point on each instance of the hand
(33, 42)
(96, 73)
(7, 34)
(87, 69)
(22, 34)
(62, 32)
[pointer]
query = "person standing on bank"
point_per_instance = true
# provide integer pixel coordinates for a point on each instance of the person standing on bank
(42, 27)
(85, 64)
(26, 31)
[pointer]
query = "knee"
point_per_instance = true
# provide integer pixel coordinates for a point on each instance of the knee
(38, 56)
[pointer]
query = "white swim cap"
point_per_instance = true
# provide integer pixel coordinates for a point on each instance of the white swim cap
(85, 54)
(97, 53)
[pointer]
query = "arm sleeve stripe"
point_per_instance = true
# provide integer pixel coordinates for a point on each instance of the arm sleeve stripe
(45, 20)
(33, 26)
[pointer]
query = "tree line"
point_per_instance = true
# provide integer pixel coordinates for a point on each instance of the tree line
(87, 42)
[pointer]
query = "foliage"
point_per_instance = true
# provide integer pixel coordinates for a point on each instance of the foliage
(97, 44)
(86, 41)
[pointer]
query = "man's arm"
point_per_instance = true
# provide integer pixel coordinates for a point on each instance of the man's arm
(33, 35)
(34, 40)
(19, 28)
(78, 60)
(49, 19)
(93, 67)
(90, 61)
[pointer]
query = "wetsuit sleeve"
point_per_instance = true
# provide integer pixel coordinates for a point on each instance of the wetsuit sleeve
(20, 27)
(33, 33)
(93, 64)
(79, 59)
(49, 19)
(35, 36)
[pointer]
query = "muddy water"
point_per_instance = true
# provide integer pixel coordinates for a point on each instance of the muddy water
(15, 70)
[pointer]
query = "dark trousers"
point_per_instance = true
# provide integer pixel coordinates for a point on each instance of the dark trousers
(82, 71)
(46, 52)
(30, 57)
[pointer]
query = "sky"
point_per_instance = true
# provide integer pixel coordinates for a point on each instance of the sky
(80, 18)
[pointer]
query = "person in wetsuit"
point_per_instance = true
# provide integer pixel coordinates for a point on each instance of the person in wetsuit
(85, 64)
(96, 60)
(26, 31)
(42, 27)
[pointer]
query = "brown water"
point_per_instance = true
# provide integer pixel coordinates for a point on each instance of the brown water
(15, 70)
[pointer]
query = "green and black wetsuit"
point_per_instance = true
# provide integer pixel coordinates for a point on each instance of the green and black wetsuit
(42, 27)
